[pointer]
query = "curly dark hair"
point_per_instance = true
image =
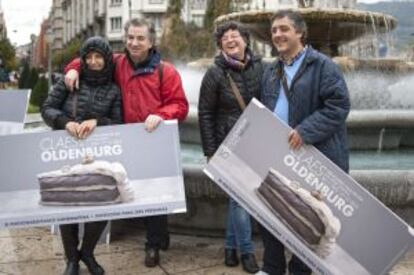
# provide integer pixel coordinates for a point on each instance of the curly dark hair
(231, 25)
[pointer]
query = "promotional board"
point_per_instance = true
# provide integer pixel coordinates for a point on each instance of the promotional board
(13, 107)
(151, 160)
(254, 165)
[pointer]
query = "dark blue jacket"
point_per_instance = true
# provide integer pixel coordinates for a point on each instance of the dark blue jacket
(318, 104)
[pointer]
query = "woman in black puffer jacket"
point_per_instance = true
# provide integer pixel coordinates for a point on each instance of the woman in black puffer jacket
(218, 111)
(97, 102)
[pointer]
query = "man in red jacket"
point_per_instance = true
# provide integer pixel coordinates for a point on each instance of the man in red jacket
(151, 92)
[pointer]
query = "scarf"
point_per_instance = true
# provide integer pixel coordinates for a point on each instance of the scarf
(236, 63)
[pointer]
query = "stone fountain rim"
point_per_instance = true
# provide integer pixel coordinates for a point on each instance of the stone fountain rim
(383, 118)
(325, 14)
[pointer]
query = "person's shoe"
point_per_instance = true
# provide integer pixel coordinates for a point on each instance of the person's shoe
(92, 265)
(249, 263)
(165, 244)
(72, 268)
(152, 257)
(230, 257)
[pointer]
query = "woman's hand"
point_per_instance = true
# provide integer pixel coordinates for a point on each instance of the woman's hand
(86, 128)
(72, 128)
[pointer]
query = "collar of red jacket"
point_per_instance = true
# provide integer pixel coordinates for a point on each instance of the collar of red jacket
(148, 65)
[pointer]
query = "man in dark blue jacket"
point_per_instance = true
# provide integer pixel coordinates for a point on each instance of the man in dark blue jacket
(307, 91)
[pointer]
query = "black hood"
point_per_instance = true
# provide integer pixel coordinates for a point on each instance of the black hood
(97, 44)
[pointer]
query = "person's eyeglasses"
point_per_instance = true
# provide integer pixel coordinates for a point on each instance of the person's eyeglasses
(230, 37)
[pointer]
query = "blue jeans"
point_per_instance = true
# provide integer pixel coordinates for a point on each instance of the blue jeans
(239, 229)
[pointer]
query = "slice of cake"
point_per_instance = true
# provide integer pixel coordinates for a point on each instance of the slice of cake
(305, 213)
(90, 183)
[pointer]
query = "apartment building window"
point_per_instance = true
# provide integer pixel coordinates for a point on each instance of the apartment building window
(116, 2)
(155, 18)
(156, 2)
(198, 20)
(286, 2)
(116, 23)
(199, 4)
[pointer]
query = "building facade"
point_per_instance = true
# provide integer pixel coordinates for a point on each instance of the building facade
(120, 11)
(3, 29)
(72, 19)
(40, 48)
(56, 27)
(277, 4)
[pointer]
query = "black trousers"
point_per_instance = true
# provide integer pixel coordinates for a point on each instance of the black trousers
(157, 231)
(91, 235)
(274, 261)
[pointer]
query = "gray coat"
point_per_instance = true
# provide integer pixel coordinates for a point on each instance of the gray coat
(318, 104)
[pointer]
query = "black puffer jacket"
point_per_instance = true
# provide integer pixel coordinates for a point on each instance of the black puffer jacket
(97, 98)
(218, 109)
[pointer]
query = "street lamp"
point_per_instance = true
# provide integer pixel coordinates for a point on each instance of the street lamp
(49, 40)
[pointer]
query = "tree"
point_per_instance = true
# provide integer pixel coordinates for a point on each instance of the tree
(39, 92)
(222, 7)
(8, 54)
(214, 10)
(32, 79)
(174, 7)
(174, 40)
(62, 58)
(201, 40)
(24, 76)
(208, 20)
(188, 41)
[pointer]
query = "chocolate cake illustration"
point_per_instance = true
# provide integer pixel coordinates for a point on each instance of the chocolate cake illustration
(304, 212)
(89, 183)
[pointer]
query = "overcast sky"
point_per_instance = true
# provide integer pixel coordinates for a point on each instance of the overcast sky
(23, 17)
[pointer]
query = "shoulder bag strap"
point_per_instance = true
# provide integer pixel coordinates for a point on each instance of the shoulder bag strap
(286, 86)
(236, 92)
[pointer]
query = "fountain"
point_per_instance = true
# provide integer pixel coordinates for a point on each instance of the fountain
(380, 122)
(375, 84)
(327, 28)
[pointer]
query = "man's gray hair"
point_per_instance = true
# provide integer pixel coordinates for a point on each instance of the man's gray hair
(140, 22)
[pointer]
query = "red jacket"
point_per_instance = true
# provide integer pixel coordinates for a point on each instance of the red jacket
(142, 92)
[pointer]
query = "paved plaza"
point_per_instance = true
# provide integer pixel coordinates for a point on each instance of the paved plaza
(36, 251)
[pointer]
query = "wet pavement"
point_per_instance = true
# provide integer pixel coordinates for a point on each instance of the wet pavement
(37, 251)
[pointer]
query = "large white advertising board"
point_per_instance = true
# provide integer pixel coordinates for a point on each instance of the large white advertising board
(152, 161)
(371, 239)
